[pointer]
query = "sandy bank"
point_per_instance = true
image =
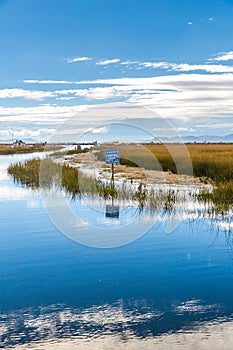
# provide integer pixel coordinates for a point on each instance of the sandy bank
(90, 165)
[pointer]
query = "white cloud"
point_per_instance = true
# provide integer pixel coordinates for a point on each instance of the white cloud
(97, 93)
(78, 59)
(170, 66)
(102, 130)
(126, 63)
(164, 65)
(21, 133)
(190, 23)
(65, 98)
(106, 62)
(168, 81)
(224, 56)
(185, 67)
(49, 115)
(27, 94)
(182, 97)
(211, 68)
(35, 81)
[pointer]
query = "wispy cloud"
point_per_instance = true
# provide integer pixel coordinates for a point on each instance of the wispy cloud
(164, 65)
(36, 81)
(6, 133)
(183, 98)
(179, 67)
(211, 68)
(106, 62)
(224, 56)
(78, 59)
(185, 67)
(129, 62)
(65, 98)
(193, 97)
(44, 115)
(188, 100)
(102, 130)
(97, 93)
(214, 67)
(27, 94)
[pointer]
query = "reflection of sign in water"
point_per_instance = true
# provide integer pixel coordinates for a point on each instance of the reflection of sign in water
(112, 211)
(112, 156)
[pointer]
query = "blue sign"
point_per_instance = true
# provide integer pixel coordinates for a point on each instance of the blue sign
(112, 156)
(112, 211)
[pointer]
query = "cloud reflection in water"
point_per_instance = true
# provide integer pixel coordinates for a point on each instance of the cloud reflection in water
(111, 327)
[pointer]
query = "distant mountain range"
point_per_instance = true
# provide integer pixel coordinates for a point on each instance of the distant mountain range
(201, 139)
(26, 140)
(186, 139)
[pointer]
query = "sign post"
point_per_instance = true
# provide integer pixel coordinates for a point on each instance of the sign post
(112, 157)
(112, 174)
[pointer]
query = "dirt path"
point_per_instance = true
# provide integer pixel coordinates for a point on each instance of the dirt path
(89, 163)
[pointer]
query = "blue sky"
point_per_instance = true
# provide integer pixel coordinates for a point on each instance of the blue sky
(58, 57)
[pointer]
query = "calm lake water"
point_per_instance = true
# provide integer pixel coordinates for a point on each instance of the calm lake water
(162, 291)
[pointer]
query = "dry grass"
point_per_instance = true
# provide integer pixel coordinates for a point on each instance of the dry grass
(8, 149)
(207, 161)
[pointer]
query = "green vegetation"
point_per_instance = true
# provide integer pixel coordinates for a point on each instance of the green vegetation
(210, 162)
(37, 173)
(28, 173)
(46, 173)
(220, 199)
(77, 150)
(5, 149)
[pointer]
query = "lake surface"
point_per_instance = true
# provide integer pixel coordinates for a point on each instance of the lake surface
(162, 291)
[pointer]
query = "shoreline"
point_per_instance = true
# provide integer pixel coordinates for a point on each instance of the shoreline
(89, 164)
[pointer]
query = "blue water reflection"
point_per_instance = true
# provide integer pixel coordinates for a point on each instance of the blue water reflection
(52, 288)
